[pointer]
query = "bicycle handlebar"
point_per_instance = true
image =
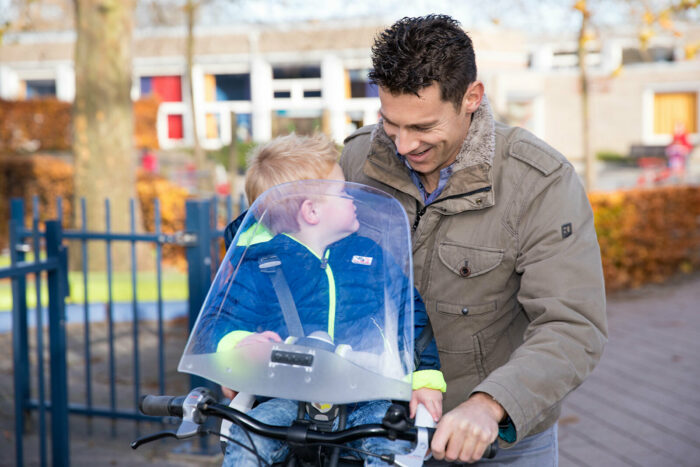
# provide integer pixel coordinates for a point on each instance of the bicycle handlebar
(171, 406)
(164, 406)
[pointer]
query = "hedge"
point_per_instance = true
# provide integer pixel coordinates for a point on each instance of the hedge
(48, 177)
(647, 235)
(46, 125)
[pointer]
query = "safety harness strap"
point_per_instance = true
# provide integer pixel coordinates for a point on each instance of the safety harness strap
(272, 265)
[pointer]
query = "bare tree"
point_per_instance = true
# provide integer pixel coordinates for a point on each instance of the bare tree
(191, 9)
(588, 156)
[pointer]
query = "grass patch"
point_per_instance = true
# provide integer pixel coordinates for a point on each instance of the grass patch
(174, 288)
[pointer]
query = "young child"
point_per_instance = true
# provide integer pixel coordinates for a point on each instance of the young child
(314, 231)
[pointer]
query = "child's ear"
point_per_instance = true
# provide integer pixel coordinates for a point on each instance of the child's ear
(308, 212)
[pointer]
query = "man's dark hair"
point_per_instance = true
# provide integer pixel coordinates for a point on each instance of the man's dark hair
(415, 52)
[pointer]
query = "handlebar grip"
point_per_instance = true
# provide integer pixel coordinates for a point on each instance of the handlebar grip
(491, 450)
(489, 453)
(161, 406)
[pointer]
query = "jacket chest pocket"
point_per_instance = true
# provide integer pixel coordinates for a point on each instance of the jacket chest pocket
(468, 261)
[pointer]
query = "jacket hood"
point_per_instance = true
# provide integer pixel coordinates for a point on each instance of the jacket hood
(479, 146)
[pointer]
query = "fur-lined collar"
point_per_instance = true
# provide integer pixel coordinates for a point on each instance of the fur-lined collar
(478, 147)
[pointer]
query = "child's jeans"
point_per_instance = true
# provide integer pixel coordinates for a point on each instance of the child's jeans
(283, 412)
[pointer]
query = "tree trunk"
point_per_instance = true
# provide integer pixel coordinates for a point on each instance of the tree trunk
(103, 121)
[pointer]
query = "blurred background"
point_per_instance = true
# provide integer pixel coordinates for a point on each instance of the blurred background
(130, 121)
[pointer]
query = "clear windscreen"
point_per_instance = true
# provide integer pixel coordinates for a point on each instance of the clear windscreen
(313, 300)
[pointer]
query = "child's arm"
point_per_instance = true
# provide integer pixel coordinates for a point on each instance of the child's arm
(428, 381)
(430, 398)
(254, 338)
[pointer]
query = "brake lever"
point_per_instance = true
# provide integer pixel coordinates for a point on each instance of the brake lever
(152, 437)
(417, 456)
(192, 418)
(186, 430)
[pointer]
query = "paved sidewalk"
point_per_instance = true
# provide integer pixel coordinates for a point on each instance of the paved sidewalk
(641, 405)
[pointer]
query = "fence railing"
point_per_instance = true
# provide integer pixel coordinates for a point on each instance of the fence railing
(201, 241)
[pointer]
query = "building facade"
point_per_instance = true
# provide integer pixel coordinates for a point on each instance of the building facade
(255, 82)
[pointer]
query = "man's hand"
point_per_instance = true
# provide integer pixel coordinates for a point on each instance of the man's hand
(464, 432)
(430, 398)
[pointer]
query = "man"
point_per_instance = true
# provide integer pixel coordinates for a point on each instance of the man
(505, 251)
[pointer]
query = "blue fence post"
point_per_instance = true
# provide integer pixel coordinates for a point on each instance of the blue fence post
(199, 261)
(57, 335)
(19, 317)
(20, 348)
(198, 222)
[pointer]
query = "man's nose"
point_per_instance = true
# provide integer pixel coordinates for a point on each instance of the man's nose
(406, 142)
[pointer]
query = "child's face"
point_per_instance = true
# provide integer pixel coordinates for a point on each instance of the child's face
(338, 209)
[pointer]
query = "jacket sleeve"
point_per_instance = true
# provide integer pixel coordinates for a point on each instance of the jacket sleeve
(563, 296)
(225, 312)
(429, 358)
(427, 374)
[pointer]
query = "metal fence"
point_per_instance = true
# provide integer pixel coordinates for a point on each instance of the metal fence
(201, 240)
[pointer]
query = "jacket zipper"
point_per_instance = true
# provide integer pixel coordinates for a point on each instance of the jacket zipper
(420, 211)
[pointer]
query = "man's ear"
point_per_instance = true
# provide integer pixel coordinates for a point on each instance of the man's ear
(472, 98)
(308, 212)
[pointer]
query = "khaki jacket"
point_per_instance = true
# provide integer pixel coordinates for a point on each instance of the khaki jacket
(508, 263)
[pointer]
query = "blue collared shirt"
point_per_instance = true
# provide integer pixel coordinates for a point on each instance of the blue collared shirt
(428, 198)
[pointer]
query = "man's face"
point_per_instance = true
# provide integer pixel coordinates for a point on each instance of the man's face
(426, 130)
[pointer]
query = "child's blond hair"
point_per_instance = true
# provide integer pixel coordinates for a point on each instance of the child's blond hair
(288, 159)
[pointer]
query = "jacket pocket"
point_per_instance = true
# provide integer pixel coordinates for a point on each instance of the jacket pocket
(454, 325)
(496, 343)
(468, 260)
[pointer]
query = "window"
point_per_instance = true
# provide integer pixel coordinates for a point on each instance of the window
(167, 88)
(211, 126)
(358, 84)
(302, 122)
(632, 55)
(175, 127)
(38, 88)
(671, 108)
(234, 87)
(296, 72)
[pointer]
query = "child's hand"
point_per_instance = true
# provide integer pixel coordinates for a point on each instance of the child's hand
(430, 398)
(255, 338)
(228, 393)
(259, 337)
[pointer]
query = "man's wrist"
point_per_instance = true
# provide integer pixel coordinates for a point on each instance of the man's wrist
(496, 409)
